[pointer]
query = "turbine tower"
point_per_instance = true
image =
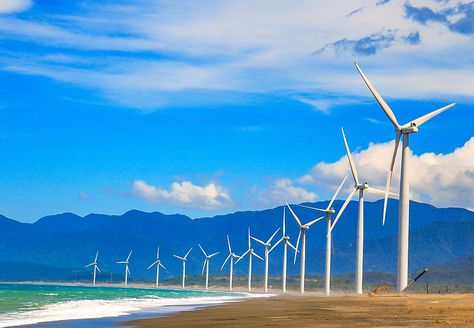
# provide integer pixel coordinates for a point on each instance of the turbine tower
(231, 256)
(404, 203)
(251, 253)
(328, 212)
(206, 265)
(267, 246)
(302, 235)
(184, 258)
(361, 188)
(286, 242)
(158, 265)
(96, 267)
(127, 270)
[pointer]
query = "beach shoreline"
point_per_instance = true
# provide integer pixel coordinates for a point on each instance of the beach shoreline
(390, 310)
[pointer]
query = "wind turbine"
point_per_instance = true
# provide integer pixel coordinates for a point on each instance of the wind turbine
(231, 256)
(286, 240)
(158, 265)
(404, 203)
(184, 258)
(251, 253)
(206, 264)
(361, 188)
(127, 270)
(328, 212)
(267, 246)
(96, 267)
(302, 235)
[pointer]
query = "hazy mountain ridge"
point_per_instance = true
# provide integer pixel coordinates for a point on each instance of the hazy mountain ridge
(70, 241)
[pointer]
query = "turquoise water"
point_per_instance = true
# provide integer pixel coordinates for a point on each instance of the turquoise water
(22, 304)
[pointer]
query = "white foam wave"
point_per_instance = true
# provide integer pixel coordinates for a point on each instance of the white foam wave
(90, 309)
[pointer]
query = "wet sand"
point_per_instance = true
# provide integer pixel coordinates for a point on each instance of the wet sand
(411, 310)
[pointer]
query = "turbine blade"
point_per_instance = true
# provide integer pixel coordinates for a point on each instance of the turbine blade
(242, 256)
(389, 176)
(228, 244)
(179, 257)
(294, 215)
(270, 240)
(351, 161)
(284, 219)
(158, 252)
(202, 250)
(419, 121)
(89, 265)
(185, 256)
(121, 262)
(297, 244)
(309, 224)
(130, 254)
(213, 254)
(257, 240)
(97, 267)
(257, 256)
(312, 208)
(128, 270)
(96, 256)
(227, 259)
(336, 193)
(375, 191)
(151, 265)
(388, 111)
(203, 266)
(249, 238)
(292, 247)
(342, 209)
(276, 244)
(161, 265)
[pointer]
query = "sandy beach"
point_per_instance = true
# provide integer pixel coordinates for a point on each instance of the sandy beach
(412, 310)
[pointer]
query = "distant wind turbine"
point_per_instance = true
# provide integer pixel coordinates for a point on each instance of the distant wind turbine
(328, 212)
(404, 203)
(158, 265)
(206, 264)
(96, 267)
(184, 259)
(230, 257)
(361, 187)
(267, 246)
(127, 270)
(251, 253)
(286, 242)
(302, 235)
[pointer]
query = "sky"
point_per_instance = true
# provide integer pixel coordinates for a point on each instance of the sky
(210, 107)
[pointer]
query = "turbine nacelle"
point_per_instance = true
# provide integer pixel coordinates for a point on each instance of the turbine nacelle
(411, 127)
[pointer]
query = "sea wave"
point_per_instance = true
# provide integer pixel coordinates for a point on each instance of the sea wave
(94, 309)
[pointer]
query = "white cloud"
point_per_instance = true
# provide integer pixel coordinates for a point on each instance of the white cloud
(284, 190)
(186, 194)
(191, 46)
(439, 179)
(14, 6)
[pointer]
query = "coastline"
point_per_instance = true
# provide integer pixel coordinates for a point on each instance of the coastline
(391, 310)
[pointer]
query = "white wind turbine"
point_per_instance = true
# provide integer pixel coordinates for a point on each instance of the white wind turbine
(328, 212)
(302, 235)
(404, 203)
(184, 259)
(286, 240)
(361, 187)
(251, 253)
(267, 246)
(206, 264)
(158, 265)
(230, 257)
(96, 267)
(127, 270)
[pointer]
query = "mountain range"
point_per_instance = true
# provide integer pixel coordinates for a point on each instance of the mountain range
(58, 247)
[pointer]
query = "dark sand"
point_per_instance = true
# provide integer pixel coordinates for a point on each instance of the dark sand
(339, 311)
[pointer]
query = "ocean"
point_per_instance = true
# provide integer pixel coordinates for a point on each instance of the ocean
(81, 306)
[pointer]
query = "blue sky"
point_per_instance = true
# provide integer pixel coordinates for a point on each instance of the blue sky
(220, 106)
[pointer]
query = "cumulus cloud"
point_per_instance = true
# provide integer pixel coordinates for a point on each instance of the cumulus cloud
(284, 190)
(185, 194)
(439, 179)
(14, 6)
